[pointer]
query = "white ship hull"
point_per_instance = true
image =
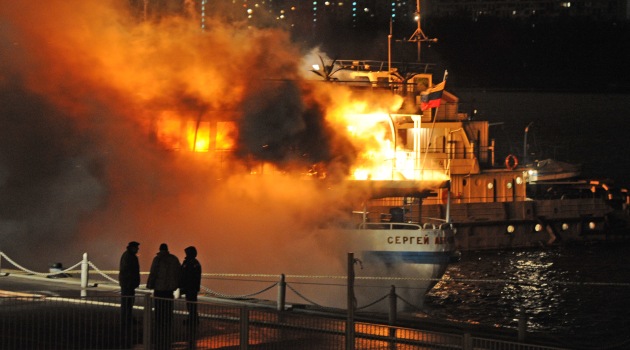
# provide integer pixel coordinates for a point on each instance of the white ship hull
(408, 257)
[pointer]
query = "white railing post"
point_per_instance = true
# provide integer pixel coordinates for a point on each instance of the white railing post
(84, 271)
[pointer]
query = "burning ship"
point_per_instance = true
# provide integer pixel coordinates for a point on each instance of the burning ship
(385, 190)
(244, 111)
(494, 204)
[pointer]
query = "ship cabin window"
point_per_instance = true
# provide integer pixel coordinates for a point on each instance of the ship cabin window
(198, 136)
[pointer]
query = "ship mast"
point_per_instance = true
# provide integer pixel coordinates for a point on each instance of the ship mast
(418, 36)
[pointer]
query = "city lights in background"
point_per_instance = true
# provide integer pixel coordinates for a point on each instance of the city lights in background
(365, 14)
(357, 13)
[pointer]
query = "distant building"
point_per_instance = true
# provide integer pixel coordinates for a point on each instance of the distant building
(361, 14)
(592, 9)
(314, 12)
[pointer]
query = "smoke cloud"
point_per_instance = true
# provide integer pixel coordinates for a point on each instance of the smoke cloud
(83, 86)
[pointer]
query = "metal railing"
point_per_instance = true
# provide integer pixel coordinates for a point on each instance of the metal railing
(33, 322)
(30, 321)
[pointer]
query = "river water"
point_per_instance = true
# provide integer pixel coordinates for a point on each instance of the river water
(579, 294)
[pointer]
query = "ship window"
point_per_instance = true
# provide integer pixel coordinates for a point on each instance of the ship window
(198, 136)
(508, 185)
(490, 185)
(465, 182)
(519, 180)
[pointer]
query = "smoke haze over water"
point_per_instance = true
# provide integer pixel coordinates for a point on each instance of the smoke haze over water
(81, 84)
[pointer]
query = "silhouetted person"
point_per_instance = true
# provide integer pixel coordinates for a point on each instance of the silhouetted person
(164, 280)
(129, 280)
(190, 284)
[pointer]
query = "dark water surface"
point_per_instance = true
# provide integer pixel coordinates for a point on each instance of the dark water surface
(580, 294)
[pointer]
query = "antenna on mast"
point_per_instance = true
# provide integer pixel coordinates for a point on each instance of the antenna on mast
(418, 36)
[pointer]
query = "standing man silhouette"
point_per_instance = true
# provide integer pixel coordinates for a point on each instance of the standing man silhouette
(190, 284)
(129, 280)
(164, 280)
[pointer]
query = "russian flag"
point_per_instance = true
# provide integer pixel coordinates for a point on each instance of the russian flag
(431, 97)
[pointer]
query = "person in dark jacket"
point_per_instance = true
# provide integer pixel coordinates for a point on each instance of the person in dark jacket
(190, 282)
(129, 280)
(164, 280)
(189, 285)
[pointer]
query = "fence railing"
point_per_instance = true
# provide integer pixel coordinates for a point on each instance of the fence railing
(87, 269)
(32, 322)
(40, 322)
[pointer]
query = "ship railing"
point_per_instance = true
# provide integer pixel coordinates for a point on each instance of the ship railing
(376, 66)
(398, 226)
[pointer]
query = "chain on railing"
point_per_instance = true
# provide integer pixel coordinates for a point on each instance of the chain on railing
(372, 303)
(244, 296)
(102, 273)
(39, 273)
(307, 299)
(408, 303)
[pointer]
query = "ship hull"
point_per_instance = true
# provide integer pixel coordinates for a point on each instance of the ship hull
(531, 223)
(407, 257)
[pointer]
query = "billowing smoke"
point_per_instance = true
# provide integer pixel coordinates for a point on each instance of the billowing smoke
(91, 96)
(83, 85)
